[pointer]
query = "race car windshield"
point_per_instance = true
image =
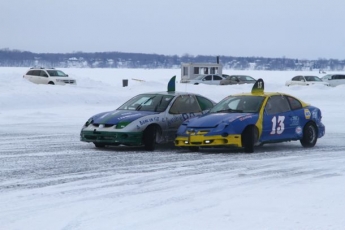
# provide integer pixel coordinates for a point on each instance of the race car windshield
(238, 104)
(147, 102)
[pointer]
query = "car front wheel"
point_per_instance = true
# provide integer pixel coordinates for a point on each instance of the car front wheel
(309, 135)
(249, 138)
(98, 145)
(149, 137)
(193, 148)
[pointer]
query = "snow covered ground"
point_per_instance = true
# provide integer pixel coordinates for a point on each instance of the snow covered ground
(51, 180)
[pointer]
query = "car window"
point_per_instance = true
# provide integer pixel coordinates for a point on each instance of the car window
(294, 103)
(249, 78)
(277, 104)
(339, 77)
(163, 103)
(36, 72)
(43, 73)
(328, 77)
(200, 77)
(242, 78)
(312, 78)
(216, 77)
(31, 72)
(297, 78)
(208, 78)
(56, 73)
(185, 104)
(204, 103)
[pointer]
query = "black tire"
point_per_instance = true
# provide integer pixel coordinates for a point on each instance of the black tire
(249, 138)
(51, 83)
(99, 145)
(149, 138)
(310, 135)
(193, 148)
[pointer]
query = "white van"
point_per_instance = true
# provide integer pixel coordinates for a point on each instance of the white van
(334, 79)
(49, 76)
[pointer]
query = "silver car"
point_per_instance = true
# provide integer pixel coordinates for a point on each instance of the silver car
(334, 79)
(49, 76)
(306, 80)
(211, 79)
(144, 120)
(237, 79)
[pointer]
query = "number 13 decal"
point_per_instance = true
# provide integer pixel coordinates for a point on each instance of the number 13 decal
(278, 125)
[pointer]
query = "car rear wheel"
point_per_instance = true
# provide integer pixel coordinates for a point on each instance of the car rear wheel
(149, 137)
(309, 135)
(249, 138)
(51, 83)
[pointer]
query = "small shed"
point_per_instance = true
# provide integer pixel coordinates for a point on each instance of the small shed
(192, 70)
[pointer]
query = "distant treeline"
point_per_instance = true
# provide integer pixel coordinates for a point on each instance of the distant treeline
(16, 58)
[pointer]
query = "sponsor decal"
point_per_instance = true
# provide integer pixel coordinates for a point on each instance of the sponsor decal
(307, 113)
(233, 118)
(314, 114)
(149, 120)
(294, 120)
(175, 119)
(124, 116)
(245, 117)
(181, 118)
(298, 130)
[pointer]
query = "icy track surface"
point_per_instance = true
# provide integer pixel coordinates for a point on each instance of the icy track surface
(51, 180)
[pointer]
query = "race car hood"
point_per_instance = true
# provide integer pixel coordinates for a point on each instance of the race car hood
(214, 119)
(116, 116)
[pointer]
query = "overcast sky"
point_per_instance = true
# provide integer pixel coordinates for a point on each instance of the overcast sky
(308, 29)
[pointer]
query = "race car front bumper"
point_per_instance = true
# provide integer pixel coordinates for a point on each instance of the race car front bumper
(203, 141)
(116, 138)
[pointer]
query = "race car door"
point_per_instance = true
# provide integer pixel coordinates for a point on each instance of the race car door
(184, 107)
(277, 120)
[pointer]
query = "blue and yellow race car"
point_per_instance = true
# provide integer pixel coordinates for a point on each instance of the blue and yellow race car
(256, 118)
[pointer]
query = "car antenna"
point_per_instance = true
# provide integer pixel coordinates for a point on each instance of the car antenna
(171, 84)
(258, 87)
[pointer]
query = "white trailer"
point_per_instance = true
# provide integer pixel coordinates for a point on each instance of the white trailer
(192, 70)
